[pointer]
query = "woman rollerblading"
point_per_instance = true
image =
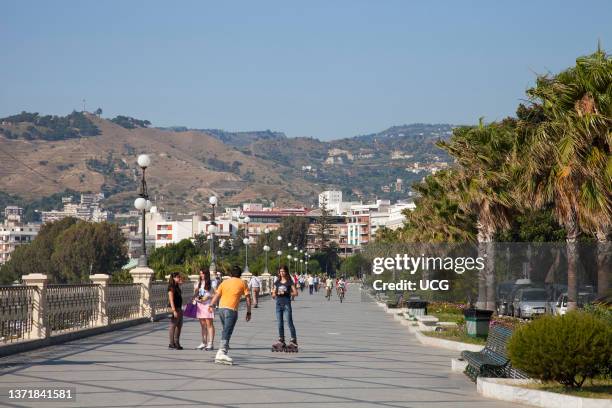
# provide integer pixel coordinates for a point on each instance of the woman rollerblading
(283, 291)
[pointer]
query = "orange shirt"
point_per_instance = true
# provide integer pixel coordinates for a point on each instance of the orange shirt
(231, 290)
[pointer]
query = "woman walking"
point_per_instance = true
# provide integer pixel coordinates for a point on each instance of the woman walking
(283, 291)
(175, 299)
(203, 295)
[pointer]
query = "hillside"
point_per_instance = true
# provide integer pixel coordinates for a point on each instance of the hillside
(95, 154)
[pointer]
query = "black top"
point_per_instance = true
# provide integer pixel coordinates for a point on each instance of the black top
(177, 296)
(283, 290)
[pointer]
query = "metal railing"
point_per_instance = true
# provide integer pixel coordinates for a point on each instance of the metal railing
(123, 302)
(72, 307)
(159, 296)
(16, 307)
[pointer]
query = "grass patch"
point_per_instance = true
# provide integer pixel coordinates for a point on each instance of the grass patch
(449, 317)
(597, 388)
(456, 334)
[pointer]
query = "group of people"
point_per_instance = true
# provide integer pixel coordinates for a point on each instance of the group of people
(223, 297)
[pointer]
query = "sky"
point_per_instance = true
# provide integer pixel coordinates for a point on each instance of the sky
(325, 69)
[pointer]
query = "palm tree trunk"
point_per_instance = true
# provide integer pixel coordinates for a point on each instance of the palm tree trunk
(604, 252)
(572, 258)
(486, 277)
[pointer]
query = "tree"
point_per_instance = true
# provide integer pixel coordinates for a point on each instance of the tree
(67, 251)
(354, 265)
(295, 230)
(484, 189)
(567, 159)
(323, 226)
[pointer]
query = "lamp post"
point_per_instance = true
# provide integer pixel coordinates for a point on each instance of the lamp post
(266, 249)
(279, 253)
(289, 264)
(307, 258)
(143, 204)
(212, 229)
(245, 241)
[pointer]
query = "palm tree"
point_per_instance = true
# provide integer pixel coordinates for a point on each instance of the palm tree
(438, 217)
(568, 160)
(484, 189)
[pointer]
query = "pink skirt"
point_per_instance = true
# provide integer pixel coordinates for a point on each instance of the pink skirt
(202, 311)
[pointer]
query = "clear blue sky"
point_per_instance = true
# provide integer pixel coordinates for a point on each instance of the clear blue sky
(326, 69)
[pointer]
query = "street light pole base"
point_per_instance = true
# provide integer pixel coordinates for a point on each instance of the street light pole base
(142, 261)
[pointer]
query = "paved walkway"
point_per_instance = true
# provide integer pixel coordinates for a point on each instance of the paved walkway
(352, 355)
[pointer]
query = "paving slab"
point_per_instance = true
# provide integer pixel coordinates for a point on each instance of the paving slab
(352, 354)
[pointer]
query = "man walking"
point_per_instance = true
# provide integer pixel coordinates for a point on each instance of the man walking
(228, 296)
(255, 286)
(310, 284)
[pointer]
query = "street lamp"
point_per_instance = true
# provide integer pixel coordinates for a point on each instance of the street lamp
(212, 229)
(245, 241)
(279, 253)
(143, 204)
(266, 249)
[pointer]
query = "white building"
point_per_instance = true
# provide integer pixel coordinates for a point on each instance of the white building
(88, 209)
(14, 233)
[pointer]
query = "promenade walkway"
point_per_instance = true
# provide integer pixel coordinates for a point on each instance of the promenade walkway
(352, 355)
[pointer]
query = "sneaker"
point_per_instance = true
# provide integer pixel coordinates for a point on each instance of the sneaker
(209, 347)
(222, 357)
(201, 346)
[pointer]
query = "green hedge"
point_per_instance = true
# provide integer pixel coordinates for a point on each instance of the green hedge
(567, 349)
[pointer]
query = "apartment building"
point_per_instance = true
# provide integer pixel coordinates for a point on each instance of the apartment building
(13, 232)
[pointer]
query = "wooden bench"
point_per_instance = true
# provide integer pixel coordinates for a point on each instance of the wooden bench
(492, 361)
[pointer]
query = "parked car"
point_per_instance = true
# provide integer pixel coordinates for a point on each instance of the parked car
(584, 298)
(504, 291)
(529, 302)
(508, 304)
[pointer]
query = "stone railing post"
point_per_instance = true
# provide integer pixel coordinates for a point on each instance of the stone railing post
(102, 280)
(40, 329)
(144, 276)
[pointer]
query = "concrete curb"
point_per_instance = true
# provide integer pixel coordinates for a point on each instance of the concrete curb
(446, 344)
(507, 389)
(458, 365)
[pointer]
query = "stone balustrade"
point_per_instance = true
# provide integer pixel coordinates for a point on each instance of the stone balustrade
(37, 310)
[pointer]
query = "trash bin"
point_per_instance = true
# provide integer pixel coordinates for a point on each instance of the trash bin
(416, 307)
(477, 322)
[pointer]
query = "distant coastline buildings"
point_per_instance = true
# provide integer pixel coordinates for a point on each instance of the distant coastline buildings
(13, 232)
(87, 209)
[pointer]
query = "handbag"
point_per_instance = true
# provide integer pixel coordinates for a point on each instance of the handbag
(191, 310)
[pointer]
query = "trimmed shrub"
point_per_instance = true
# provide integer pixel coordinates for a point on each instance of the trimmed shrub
(567, 349)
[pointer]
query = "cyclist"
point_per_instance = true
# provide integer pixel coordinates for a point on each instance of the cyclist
(341, 288)
(329, 283)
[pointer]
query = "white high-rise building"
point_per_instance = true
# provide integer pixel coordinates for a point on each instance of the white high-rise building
(330, 197)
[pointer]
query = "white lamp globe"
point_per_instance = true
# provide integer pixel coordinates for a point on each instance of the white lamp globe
(247, 219)
(279, 253)
(266, 248)
(289, 244)
(245, 241)
(140, 203)
(267, 230)
(279, 238)
(212, 229)
(212, 200)
(289, 257)
(149, 205)
(144, 161)
(301, 251)
(301, 261)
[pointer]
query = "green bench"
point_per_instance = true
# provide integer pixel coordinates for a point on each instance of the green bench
(492, 361)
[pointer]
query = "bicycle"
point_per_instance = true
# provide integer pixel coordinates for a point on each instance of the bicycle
(341, 294)
(328, 293)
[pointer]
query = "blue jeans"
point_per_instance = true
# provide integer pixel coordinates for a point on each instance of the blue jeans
(283, 312)
(228, 319)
